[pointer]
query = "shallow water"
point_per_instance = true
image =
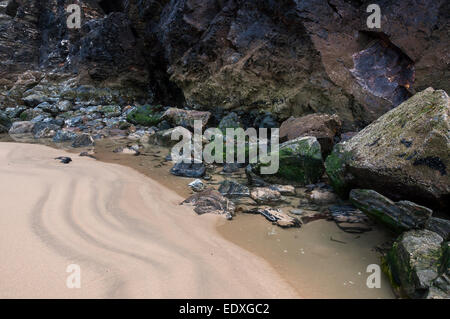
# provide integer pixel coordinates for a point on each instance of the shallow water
(319, 260)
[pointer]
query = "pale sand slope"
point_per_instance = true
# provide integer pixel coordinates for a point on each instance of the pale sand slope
(126, 232)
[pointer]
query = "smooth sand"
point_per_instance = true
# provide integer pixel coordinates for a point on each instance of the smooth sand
(126, 232)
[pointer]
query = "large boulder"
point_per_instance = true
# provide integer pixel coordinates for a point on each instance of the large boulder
(323, 126)
(185, 118)
(418, 264)
(300, 162)
(403, 155)
(398, 216)
(22, 127)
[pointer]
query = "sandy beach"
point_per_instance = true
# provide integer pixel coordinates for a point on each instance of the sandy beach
(128, 234)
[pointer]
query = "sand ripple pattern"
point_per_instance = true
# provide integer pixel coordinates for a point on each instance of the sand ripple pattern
(126, 232)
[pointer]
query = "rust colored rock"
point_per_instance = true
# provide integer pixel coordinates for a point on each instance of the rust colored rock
(322, 126)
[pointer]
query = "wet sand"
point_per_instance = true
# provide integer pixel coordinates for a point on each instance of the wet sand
(309, 259)
(128, 234)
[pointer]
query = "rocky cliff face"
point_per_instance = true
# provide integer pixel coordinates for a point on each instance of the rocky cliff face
(288, 57)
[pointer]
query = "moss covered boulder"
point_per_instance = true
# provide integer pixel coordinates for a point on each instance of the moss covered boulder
(300, 162)
(324, 127)
(398, 216)
(416, 261)
(146, 115)
(403, 155)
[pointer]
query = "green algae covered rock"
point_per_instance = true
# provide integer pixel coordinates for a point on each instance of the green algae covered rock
(414, 264)
(300, 162)
(404, 154)
(398, 216)
(145, 115)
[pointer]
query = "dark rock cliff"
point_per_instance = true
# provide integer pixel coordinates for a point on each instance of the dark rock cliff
(288, 57)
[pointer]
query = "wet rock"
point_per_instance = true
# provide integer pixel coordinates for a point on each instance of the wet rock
(284, 189)
(322, 126)
(197, 185)
(439, 226)
(64, 106)
(163, 125)
(74, 121)
(232, 189)
(111, 110)
(128, 150)
(45, 129)
(64, 159)
(276, 216)
(322, 197)
(230, 168)
(88, 154)
(210, 201)
(35, 99)
(194, 170)
(185, 118)
(297, 211)
(164, 138)
(300, 162)
(264, 195)
(64, 136)
(350, 219)
(378, 158)
(265, 120)
(21, 127)
(14, 112)
(254, 179)
(231, 120)
(5, 123)
(83, 140)
(398, 216)
(48, 108)
(414, 262)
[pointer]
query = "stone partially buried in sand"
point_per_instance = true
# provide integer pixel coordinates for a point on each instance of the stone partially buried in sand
(276, 216)
(265, 195)
(83, 140)
(404, 154)
(210, 201)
